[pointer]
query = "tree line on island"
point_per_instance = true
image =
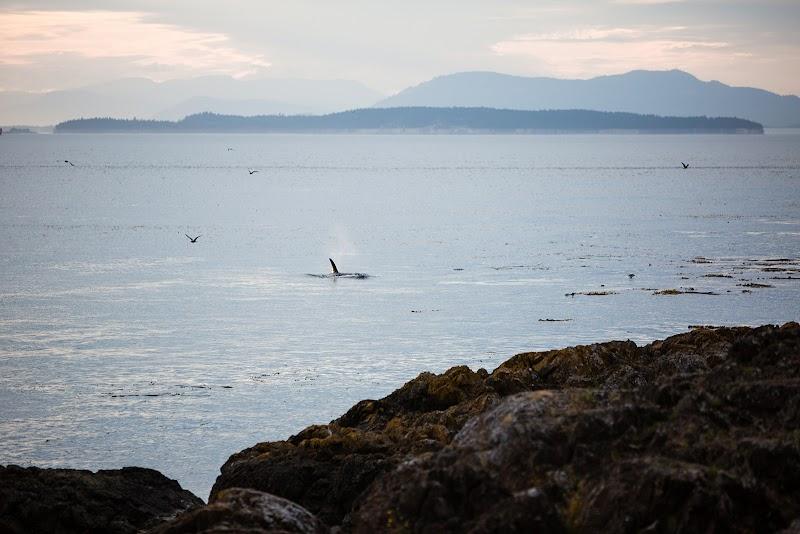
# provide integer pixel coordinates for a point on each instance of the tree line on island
(421, 119)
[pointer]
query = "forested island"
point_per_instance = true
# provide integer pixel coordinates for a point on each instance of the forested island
(422, 120)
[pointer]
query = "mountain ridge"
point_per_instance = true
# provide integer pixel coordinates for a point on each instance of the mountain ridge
(174, 99)
(667, 93)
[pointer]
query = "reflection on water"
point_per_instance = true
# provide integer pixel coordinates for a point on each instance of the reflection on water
(121, 343)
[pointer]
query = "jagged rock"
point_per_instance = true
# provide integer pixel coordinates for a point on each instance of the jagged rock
(245, 511)
(67, 500)
(698, 432)
(325, 467)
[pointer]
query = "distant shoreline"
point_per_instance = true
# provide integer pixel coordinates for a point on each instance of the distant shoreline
(379, 131)
(424, 120)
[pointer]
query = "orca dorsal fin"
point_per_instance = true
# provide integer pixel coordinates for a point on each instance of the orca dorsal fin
(333, 266)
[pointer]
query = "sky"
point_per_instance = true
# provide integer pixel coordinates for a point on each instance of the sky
(388, 45)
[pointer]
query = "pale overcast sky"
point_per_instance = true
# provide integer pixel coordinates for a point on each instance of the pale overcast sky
(47, 45)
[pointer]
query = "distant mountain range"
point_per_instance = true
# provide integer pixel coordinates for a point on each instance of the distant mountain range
(172, 100)
(665, 93)
(673, 93)
(423, 120)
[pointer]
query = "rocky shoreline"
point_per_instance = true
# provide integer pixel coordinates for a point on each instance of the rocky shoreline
(699, 432)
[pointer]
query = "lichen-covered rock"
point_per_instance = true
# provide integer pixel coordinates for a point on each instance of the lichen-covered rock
(688, 451)
(68, 500)
(325, 467)
(245, 511)
(698, 432)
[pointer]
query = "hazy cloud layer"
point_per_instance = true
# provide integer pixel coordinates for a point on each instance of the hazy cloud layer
(56, 44)
(78, 46)
(592, 51)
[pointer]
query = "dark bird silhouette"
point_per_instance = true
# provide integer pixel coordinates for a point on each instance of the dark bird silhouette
(252, 171)
(685, 165)
(631, 275)
(230, 149)
(192, 239)
(68, 161)
(333, 266)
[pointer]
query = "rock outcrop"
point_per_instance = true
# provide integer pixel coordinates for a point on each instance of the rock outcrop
(698, 432)
(68, 500)
(244, 510)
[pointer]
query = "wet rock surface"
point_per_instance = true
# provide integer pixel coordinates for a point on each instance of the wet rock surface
(245, 510)
(698, 432)
(67, 500)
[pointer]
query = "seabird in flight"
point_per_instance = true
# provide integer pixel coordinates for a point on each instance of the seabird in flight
(252, 171)
(68, 161)
(192, 239)
(685, 165)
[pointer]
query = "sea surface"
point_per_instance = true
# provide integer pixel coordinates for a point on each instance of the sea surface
(122, 343)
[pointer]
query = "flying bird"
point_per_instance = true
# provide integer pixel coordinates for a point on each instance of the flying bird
(685, 165)
(192, 239)
(230, 149)
(252, 171)
(631, 275)
(68, 161)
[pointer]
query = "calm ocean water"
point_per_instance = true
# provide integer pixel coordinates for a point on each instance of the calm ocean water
(121, 343)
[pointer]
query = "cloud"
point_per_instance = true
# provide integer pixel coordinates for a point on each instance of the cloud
(646, 2)
(591, 51)
(584, 34)
(165, 50)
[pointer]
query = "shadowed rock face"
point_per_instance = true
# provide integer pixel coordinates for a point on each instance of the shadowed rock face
(66, 500)
(698, 432)
(325, 467)
(243, 511)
